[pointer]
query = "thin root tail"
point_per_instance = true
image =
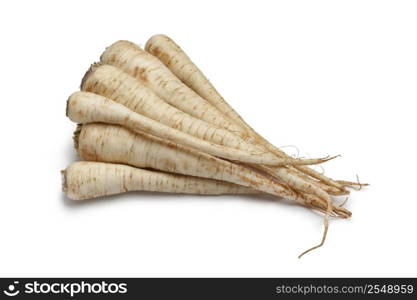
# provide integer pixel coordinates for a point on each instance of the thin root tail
(326, 227)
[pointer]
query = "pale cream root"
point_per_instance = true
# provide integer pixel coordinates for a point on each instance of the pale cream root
(331, 190)
(358, 185)
(298, 183)
(86, 107)
(154, 74)
(86, 180)
(181, 65)
(113, 83)
(118, 86)
(112, 143)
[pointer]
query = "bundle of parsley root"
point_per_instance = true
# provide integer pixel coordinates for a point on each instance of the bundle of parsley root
(149, 120)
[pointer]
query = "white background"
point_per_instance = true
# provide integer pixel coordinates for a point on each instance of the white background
(331, 77)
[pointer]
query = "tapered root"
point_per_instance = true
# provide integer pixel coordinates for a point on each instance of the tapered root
(329, 210)
(328, 213)
(352, 184)
(307, 161)
(326, 228)
(342, 212)
(314, 174)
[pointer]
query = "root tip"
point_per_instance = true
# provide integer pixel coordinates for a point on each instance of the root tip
(323, 239)
(327, 158)
(89, 72)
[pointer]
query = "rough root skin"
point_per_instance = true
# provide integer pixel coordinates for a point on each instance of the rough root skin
(64, 181)
(76, 135)
(90, 71)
